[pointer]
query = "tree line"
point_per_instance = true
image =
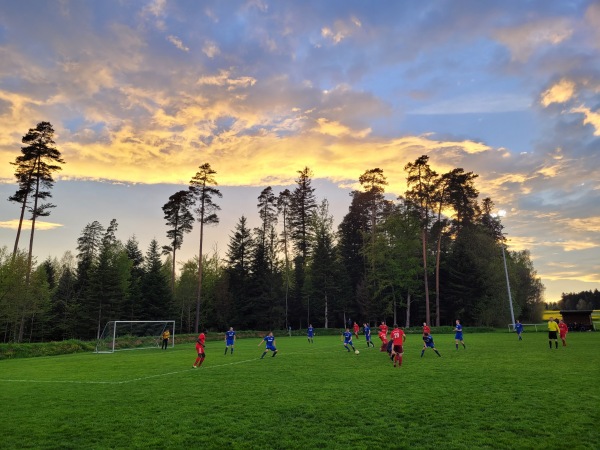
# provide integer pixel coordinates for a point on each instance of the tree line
(584, 300)
(433, 254)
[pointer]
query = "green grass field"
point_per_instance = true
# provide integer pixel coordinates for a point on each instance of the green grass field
(498, 393)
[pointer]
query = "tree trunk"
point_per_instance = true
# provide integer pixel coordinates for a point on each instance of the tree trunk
(425, 277)
(200, 267)
(408, 310)
(326, 313)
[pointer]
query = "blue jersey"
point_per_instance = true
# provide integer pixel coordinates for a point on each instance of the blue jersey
(230, 337)
(428, 340)
(519, 328)
(269, 340)
(367, 330)
(311, 331)
(458, 334)
(347, 337)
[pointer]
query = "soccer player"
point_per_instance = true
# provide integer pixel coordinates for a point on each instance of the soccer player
(552, 330)
(519, 329)
(356, 329)
(563, 329)
(229, 340)
(426, 329)
(397, 337)
(200, 350)
(347, 337)
(383, 327)
(384, 340)
(367, 331)
(165, 339)
(428, 343)
(270, 346)
(458, 335)
(310, 332)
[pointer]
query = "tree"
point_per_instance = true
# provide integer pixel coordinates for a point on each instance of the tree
(283, 208)
(238, 267)
(156, 293)
(421, 182)
(324, 267)
(38, 160)
(201, 187)
(181, 220)
(302, 207)
(133, 310)
(373, 182)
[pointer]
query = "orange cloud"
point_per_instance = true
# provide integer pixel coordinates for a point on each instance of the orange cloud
(591, 118)
(39, 225)
(560, 92)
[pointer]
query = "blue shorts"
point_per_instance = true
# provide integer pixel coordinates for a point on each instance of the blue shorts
(430, 345)
(348, 342)
(228, 343)
(368, 337)
(458, 336)
(270, 347)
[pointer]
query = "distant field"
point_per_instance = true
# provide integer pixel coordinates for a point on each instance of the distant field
(498, 393)
(556, 314)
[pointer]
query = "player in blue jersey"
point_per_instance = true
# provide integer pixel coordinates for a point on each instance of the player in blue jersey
(458, 336)
(229, 340)
(367, 331)
(519, 329)
(428, 343)
(310, 333)
(270, 340)
(347, 337)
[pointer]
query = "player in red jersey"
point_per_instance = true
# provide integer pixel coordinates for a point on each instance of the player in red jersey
(426, 329)
(398, 337)
(384, 341)
(563, 329)
(200, 350)
(383, 327)
(356, 329)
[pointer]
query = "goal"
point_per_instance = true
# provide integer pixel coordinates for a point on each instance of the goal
(134, 335)
(527, 327)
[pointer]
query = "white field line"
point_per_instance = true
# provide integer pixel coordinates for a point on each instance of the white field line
(203, 368)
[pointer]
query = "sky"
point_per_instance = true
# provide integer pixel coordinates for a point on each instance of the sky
(141, 93)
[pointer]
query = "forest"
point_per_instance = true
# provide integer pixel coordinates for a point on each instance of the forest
(435, 254)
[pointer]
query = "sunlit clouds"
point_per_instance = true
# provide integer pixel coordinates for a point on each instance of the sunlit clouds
(142, 93)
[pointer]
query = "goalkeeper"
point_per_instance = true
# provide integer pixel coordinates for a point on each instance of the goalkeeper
(165, 339)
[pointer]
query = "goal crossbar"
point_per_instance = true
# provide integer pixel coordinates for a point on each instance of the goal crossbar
(134, 335)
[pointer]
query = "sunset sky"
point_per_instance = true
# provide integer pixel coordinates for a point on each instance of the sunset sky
(141, 93)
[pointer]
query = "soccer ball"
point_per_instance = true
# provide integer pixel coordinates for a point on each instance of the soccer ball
(356, 352)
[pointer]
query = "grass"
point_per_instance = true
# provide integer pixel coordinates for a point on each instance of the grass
(498, 393)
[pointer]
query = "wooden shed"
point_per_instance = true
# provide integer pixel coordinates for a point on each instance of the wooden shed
(578, 320)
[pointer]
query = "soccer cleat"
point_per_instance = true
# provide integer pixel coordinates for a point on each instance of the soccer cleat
(194, 366)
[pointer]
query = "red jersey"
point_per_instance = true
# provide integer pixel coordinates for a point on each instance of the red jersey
(426, 329)
(563, 328)
(384, 328)
(397, 336)
(356, 328)
(383, 337)
(200, 342)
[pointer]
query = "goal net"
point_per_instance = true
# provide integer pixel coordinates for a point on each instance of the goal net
(134, 335)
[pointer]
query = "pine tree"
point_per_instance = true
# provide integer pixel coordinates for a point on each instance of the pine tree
(201, 187)
(38, 160)
(181, 221)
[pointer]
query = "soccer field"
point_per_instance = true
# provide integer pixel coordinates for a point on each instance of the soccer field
(498, 393)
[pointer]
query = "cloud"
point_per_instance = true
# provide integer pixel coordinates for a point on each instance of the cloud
(590, 118)
(560, 92)
(177, 43)
(527, 38)
(40, 225)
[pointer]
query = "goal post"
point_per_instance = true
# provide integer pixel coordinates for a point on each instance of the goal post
(526, 326)
(134, 335)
